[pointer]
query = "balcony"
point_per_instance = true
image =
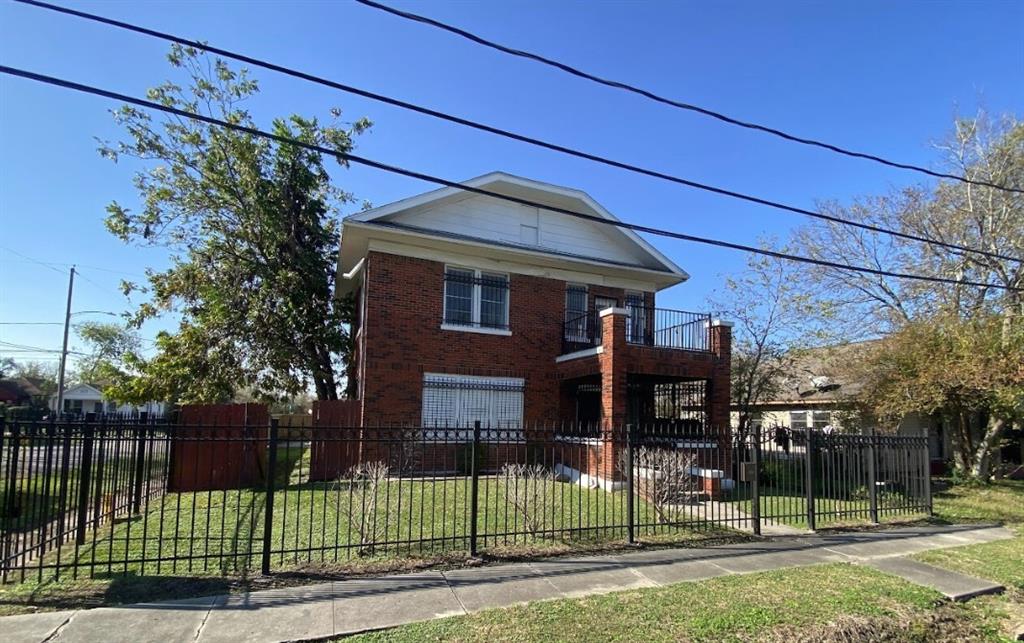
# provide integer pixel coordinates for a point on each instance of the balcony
(653, 327)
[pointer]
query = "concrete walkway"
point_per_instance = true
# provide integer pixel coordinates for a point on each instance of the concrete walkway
(359, 604)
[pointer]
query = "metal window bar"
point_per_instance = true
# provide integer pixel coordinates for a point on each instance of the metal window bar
(476, 300)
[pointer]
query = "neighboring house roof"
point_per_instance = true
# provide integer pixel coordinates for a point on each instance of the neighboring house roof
(452, 216)
(821, 376)
(81, 392)
(17, 389)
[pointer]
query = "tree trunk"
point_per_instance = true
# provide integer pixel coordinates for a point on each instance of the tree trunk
(982, 467)
(323, 375)
(962, 451)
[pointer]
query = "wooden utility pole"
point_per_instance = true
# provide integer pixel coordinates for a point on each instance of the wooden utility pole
(64, 349)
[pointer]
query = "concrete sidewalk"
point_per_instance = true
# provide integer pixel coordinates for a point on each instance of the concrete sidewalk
(359, 604)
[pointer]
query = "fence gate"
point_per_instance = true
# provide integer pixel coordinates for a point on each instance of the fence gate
(810, 479)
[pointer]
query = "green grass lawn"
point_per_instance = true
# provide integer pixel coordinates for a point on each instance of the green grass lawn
(764, 607)
(1001, 561)
(37, 499)
(332, 523)
(323, 527)
(831, 602)
(788, 509)
(222, 531)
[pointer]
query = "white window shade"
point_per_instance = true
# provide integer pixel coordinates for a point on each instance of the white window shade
(456, 402)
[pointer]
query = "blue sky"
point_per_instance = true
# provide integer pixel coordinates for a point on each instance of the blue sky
(877, 76)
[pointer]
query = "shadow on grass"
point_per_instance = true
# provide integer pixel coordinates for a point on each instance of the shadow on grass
(104, 590)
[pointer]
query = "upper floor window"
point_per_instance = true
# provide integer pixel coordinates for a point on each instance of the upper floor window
(576, 313)
(475, 298)
(636, 322)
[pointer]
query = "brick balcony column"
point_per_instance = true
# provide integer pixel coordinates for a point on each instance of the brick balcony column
(720, 343)
(613, 389)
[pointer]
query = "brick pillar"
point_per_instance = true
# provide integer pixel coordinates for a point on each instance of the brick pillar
(613, 389)
(720, 341)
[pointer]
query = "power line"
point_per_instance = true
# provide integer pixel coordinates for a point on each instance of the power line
(667, 101)
(33, 260)
(509, 134)
(25, 348)
(31, 324)
(352, 158)
(79, 265)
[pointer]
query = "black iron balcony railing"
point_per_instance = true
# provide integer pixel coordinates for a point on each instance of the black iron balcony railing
(645, 326)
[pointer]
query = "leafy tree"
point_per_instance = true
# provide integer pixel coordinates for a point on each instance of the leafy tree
(252, 231)
(955, 368)
(42, 374)
(973, 216)
(953, 212)
(109, 346)
(7, 367)
(774, 319)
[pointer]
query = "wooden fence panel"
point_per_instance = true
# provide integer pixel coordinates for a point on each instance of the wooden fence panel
(219, 446)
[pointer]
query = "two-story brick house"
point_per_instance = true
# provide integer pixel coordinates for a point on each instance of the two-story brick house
(473, 308)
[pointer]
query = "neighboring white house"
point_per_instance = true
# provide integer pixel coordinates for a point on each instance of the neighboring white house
(817, 392)
(82, 398)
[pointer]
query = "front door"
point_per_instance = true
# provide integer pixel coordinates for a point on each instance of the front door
(600, 303)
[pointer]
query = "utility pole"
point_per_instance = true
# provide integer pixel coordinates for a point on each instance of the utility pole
(64, 349)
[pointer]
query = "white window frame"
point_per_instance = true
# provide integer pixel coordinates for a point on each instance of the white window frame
(476, 303)
(793, 425)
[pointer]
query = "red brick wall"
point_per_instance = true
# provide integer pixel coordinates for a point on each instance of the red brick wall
(403, 339)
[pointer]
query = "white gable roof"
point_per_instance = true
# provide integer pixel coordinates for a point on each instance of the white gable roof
(81, 392)
(458, 215)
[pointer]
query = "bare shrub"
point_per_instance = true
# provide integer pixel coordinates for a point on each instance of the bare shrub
(528, 490)
(664, 477)
(361, 504)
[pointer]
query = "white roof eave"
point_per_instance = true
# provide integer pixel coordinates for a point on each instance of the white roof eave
(503, 177)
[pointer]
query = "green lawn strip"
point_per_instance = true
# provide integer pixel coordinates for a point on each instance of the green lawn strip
(329, 522)
(791, 510)
(1000, 561)
(1000, 501)
(727, 608)
(37, 498)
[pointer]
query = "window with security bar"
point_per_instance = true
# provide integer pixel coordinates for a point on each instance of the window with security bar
(453, 403)
(476, 298)
(576, 313)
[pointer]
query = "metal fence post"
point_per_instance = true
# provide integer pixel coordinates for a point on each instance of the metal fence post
(268, 510)
(85, 479)
(927, 472)
(809, 478)
(630, 487)
(11, 496)
(873, 474)
(474, 488)
(140, 462)
(755, 486)
(65, 475)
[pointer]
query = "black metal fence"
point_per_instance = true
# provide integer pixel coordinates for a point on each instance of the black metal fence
(144, 496)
